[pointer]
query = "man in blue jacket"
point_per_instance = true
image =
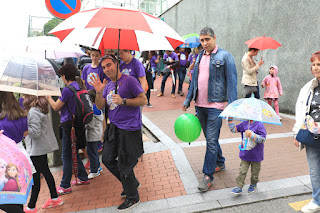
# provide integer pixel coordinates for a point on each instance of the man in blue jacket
(213, 86)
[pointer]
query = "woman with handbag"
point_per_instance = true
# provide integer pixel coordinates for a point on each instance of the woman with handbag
(308, 113)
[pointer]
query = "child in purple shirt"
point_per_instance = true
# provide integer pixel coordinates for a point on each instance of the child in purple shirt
(14, 123)
(93, 69)
(255, 133)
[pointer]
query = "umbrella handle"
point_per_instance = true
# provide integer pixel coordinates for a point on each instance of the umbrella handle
(245, 145)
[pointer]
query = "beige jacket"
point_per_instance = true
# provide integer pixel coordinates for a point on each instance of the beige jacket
(250, 70)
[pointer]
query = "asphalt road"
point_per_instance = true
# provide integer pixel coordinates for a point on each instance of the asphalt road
(280, 205)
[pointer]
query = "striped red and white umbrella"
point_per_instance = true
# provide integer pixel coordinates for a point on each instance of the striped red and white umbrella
(101, 28)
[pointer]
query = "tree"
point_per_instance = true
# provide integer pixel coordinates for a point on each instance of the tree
(50, 25)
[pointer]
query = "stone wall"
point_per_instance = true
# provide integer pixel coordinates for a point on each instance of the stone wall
(295, 24)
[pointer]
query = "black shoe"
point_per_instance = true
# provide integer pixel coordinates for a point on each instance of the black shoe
(128, 204)
(123, 194)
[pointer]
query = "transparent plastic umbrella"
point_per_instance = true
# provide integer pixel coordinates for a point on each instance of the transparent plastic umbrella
(29, 76)
(250, 109)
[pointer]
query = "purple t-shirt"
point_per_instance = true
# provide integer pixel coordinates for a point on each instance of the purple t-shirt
(183, 59)
(190, 59)
(152, 61)
(87, 73)
(134, 68)
(14, 129)
(173, 56)
(124, 117)
(255, 154)
(68, 109)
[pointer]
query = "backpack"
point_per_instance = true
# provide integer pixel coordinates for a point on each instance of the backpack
(84, 106)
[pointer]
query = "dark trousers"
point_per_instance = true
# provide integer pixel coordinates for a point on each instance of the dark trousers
(92, 150)
(164, 79)
(41, 165)
(12, 208)
(150, 86)
(256, 94)
(111, 150)
(182, 74)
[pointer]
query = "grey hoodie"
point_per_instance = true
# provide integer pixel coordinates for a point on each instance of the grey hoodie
(41, 139)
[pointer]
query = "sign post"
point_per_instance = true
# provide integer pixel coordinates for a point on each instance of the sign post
(63, 8)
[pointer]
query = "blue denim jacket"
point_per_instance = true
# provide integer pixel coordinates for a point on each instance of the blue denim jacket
(222, 84)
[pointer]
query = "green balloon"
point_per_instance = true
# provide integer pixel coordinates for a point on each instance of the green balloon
(187, 128)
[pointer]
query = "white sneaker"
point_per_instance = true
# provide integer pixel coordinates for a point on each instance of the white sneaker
(311, 207)
(93, 175)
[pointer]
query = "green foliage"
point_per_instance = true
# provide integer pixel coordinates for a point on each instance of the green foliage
(50, 25)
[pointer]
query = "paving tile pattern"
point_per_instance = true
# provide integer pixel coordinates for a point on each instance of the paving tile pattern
(273, 166)
(157, 174)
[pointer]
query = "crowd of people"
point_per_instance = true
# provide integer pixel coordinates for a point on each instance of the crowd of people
(119, 87)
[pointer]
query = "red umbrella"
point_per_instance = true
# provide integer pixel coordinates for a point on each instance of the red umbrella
(118, 28)
(263, 43)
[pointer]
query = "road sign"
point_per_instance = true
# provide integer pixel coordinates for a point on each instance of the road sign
(63, 8)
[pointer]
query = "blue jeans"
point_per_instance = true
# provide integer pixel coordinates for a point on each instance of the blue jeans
(164, 79)
(67, 162)
(92, 150)
(313, 157)
(211, 124)
(182, 74)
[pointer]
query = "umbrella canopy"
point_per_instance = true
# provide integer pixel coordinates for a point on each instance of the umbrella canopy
(101, 28)
(29, 76)
(251, 109)
(190, 41)
(263, 43)
(51, 47)
(14, 189)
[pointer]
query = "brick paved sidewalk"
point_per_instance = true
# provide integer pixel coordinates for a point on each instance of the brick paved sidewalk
(171, 169)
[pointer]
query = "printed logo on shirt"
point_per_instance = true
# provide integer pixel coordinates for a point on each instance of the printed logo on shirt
(112, 105)
(183, 57)
(91, 75)
(169, 58)
(126, 71)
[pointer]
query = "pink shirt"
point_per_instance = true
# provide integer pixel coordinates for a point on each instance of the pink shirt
(203, 80)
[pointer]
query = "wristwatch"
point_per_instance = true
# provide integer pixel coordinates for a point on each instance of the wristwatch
(124, 101)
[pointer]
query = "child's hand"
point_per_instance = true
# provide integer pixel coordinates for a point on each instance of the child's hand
(230, 119)
(248, 133)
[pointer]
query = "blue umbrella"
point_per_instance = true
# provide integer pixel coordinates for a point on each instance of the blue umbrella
(251, 109)
(190, 41)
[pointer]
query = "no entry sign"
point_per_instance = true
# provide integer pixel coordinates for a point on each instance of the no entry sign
(63, 8)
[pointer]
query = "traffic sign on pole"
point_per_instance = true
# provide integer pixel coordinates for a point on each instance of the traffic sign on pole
(63, 8)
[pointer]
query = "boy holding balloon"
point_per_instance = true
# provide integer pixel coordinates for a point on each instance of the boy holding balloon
(251, 152)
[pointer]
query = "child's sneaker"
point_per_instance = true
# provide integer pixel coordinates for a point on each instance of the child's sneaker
(205, 183)
(220, 168)
(310, 207)
(236, 191)
(100, 169)
(93, 175)
(50, 203)
(80, 182)
(252, 188)
(62, 191)
(27, 210)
